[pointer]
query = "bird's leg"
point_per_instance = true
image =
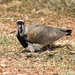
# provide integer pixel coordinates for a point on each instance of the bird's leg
(47, 47)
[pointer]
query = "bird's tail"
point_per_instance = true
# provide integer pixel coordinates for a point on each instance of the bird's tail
(68, 32)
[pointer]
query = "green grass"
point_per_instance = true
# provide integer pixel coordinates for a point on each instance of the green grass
(8, 40)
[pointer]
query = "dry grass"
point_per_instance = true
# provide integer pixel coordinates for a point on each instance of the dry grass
(59, 61)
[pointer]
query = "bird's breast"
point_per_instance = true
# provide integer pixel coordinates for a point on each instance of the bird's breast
(33, 37)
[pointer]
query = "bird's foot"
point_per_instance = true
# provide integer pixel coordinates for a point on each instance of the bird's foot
(36, 50)
(47, 48)
(25, 50)
(40, 50)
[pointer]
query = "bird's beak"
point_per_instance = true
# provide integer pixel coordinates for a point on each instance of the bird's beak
(20, 28)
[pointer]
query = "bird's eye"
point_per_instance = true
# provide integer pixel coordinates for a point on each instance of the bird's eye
(23, 23)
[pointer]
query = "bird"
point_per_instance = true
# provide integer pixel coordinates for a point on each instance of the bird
(39, 35)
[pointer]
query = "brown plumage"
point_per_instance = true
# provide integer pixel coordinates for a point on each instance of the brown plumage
(42, 34)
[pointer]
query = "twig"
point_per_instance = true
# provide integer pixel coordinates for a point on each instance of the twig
(13, 32)
(73, 52)
(6, 18)
(3, 15)
(69, 47)
(72, 49)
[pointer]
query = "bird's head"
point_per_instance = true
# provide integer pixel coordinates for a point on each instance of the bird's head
(20, 27)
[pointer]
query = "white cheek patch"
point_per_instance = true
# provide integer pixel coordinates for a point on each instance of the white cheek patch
(23, 31)
(19, 28)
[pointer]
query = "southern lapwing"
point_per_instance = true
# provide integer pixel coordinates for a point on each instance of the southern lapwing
(39, 35)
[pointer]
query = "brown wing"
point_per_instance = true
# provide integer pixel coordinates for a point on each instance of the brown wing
(44, 34)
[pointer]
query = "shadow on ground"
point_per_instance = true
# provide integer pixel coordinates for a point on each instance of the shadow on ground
(53, 47)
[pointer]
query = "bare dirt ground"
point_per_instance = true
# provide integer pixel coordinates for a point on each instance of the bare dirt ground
(59, 61)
